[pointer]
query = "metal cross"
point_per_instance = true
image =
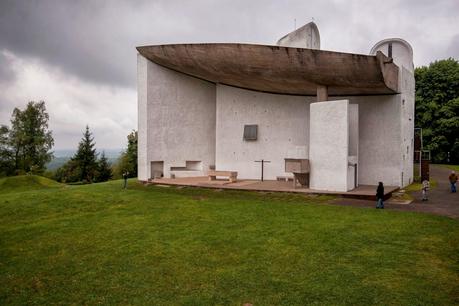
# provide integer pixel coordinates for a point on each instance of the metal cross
(262, 166)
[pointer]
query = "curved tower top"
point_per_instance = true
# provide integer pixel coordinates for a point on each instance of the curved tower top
(398, 49)
(305, 37)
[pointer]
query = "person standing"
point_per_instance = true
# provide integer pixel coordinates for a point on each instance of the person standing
(425, 188)
(380, 196)
(453, 179)
(125, 177)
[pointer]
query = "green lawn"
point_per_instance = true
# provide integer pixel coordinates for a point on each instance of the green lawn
(452, 167)
(415, 186)
(99, 244)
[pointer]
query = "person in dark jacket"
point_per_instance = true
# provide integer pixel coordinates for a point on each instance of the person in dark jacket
(125, 178)
(380, 196)
(453, 179)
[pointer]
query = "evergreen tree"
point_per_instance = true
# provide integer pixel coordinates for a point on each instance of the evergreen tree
(86, 157)
(104, 170)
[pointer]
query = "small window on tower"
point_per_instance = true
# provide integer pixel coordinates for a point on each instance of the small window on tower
(250, 132)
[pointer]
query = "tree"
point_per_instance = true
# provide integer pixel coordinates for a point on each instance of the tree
(437, 108)
(30, 139)
(131, 153)
(104, 170)
(68, 172)
(6, 154)
(85, 158)
(128, 159)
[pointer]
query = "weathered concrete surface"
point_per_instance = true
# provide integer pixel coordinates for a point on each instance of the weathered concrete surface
(353, 153)
(283, 131)
(142, 117)
(176, 121)
(406, 124)
(306, 36)
(380, 158)
(278, 69)
(329, 145)
(402, 55)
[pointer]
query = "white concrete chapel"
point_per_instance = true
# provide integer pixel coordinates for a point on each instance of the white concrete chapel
(347, 119)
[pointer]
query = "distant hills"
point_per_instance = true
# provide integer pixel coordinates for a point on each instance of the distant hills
(62, 156)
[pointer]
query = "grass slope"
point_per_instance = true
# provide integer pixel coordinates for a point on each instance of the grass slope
(26, 183)
(99, 244)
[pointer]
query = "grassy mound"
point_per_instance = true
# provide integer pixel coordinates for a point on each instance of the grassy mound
(26, 182)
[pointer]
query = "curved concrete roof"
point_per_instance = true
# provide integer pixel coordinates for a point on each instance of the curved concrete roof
(278, 69)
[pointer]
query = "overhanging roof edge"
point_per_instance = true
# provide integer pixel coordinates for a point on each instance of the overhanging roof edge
(277, 69)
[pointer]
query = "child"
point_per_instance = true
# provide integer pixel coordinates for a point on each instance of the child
(425, 188)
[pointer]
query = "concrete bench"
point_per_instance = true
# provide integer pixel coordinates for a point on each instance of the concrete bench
(284, 178)
(231, 175)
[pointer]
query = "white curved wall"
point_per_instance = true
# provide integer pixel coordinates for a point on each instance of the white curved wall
(176, 119)
(283, 131)
(380, 158)
(402, 53)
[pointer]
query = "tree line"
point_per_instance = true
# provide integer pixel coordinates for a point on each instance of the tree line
(437, 109)
(25, 148)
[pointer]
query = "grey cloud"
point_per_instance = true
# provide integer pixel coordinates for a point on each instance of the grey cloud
(95, 40)
(7, 74)
(453, 48)
(67, 35)
(425, 9)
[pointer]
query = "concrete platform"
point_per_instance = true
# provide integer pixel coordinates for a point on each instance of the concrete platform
(361, 192)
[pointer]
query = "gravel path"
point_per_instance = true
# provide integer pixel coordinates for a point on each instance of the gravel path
(441, 200)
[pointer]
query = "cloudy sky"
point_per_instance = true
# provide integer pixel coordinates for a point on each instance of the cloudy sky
(80, 57)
